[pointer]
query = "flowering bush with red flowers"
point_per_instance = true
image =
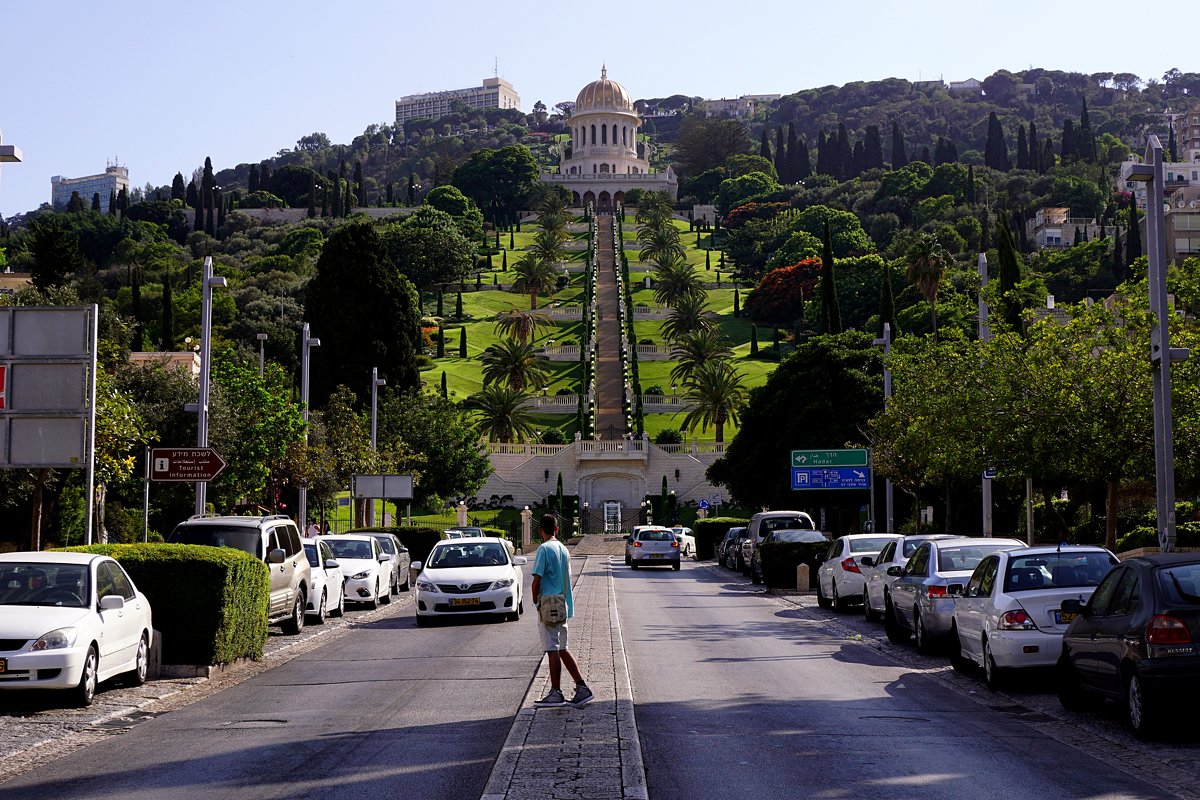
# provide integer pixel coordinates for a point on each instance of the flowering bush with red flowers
(780, 295)
(748, 211)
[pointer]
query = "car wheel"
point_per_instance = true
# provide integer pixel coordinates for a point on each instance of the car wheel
(295, 623)
(675, 566)
(628, 560)
(920, 634)
(1071, 694)
(839, 604)
(395, 587)
(993, 676)
(341, 606)
(896, 632)
(740, 564)
(959, 661)
(423, 622)
(633, 564)
(319, 617)
(85, 692)
(404, 587)
(373, 603)
(868, 612)
(521, 605)
(755, 573)
(821, 599)
(387, 595)
(1139, 709)
(137, 675)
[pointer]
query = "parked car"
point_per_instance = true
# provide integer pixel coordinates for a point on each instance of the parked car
(70, 621)
(652, 544)
(877, 583)
(274, 539)
(729, 549)
(368, 570)
(1134, 641)
(462, 532)
(811, 545)
(839, 578)
(920, 603)
(398, 553)
(328, 583)
(763, 523)
(1010, 614)
(476, 576)
(687, 540)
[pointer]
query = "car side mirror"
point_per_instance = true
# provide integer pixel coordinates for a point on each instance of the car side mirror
(112, 602)
(895, 571)
(332, 564)
(955, 590)
(867, 561)
(382, 557)
(415, 565)
(520, 561)
(820, 559)
(1073, 606)
(276, 556)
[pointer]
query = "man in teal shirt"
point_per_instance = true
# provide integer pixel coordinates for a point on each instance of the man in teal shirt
(552, 576)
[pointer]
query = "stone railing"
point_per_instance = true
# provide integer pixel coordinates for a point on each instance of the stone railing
(653, 352)
(635, 447)
(564, 352)
(523, 449)
(664, 402)
(692, 447)
(563, 312)
(651, 312)
(553, 403)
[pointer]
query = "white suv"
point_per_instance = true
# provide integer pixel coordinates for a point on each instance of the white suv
(273, 539)
(652, 544)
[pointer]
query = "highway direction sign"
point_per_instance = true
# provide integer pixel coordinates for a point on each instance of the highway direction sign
(185, 464)
(830, 458)
(830, 478)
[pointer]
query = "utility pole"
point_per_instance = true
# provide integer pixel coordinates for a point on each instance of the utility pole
(985, 335)
(208, 283)
(886, 342)
(376, 382)
(306, 344)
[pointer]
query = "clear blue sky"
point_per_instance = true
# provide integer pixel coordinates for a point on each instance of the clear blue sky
(162, 84)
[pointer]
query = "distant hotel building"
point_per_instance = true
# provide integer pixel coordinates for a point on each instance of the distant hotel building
(738, 108)
(494, 93)
(111, 181)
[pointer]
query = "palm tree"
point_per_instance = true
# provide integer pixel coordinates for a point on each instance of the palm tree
(516, 363)
(687, 316)
(674, 279)
(548, 245)
(659, 244)
(693, 350)
(501, 414)
(655, 209)
(717, 396)
(535, 276)
(550, 204)
(926, 264)
(521, 324)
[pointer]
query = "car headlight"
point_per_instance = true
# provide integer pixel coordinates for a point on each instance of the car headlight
(55, 640)
(426, 586)
(503, 583)
(358, 576)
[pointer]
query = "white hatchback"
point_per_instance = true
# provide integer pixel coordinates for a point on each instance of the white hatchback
(475, 575)
(839, 579)
(1010, 613)
(328, 583)
(70, 621)
(652, 545)
(367, 569)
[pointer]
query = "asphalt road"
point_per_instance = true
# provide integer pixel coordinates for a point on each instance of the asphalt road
(388, 710)
(740, 695)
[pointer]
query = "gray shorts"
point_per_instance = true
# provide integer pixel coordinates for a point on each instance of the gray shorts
(554, 637)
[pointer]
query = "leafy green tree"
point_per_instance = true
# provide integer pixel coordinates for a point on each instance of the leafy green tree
(716, 396)
(519, 365)
(705, 143)
(365, 313)
(501, 415)
(498, 179)
(55, 252)
(455, 465)
(178, 190)
(429, 248)
(1010, 273)
(735, 191)
(448, 199)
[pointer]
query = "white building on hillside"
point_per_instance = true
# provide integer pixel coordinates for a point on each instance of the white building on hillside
(494, 93)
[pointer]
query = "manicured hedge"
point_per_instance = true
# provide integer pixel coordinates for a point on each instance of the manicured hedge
(712, 530)
(780, 559)
(209, 603)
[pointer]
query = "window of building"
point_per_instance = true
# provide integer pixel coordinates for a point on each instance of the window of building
(595, 169)
(603, 134)
(624, 132)
(604, 168)
(593, 134)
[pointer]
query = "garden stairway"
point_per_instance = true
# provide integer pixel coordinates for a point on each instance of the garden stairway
(610, 397)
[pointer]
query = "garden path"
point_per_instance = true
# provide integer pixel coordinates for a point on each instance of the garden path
(610, 413)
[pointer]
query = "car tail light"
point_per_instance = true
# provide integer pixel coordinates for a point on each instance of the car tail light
(637, 544)
(850, 565)
(675, 543)
(937, 591)
(1167, 630)
(1016, 620)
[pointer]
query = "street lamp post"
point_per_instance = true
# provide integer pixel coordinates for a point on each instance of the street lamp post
(376, 382)
(306, 344)
(9, 154)
(262, 352)
(208, 283)
(1161, 352)
(886, 342)
(985, 335)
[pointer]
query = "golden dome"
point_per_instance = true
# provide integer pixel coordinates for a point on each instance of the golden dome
(603, 95)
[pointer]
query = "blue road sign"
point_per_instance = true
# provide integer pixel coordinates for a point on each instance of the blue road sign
(989, 473)
(830, 478)
(703, 504)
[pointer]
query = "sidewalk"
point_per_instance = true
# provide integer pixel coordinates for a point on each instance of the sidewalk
(589, 753)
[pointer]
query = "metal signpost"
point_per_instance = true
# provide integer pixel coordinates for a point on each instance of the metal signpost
(185, 464)
(48, 391)
(382, 487)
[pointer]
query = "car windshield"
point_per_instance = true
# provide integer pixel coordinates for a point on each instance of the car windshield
(911, 545)
(1181, 584)
(802, 537)
(963, 557)
(1056, 571)
(733, 533)
(873, 545)
(350, 548)
(656, 536)
(310, 552)
(387, 544)
(464, 554)
(44, 584)
(779, 523)
(243, 538)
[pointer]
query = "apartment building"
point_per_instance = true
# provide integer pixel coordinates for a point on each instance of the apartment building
(106, 184)
(493, 93)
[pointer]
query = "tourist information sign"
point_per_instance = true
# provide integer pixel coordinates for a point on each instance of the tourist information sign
(185, 464)
(856, 457)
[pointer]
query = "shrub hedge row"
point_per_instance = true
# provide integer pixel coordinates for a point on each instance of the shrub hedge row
(712, 530)
(208, 603)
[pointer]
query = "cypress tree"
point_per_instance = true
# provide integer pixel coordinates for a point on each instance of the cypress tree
(872, 149)
(856, 161)
(95, 201)
(252, 179)
(1133, 236)
(1078, 236)
(348, 204)
(775, 339)
(708, 261)
(494, 281)
(312, 195)
(359, 192)
(264, 177)
(441, 342)
(168, 314)
(1035, 151)
(1010, 273)
(412, 190)
(439, 304)
(1022, 149)
(823, 155)
(845, 154)
(780, 157)
(887, 304)
(970, 184)
(831, 313)
(1118, 257)
(458, 313)
(335, 194)
(899, 157)
(1171, 152)
(510, 238)
(737, 307)
(209, 224)
(753, 339)
(1048, 159)
(75, 203)
(219, 202)
(793, 156)
(462, 342)
(198, 222)
(325, 202)
(1069, 146)
(190, 195)
(764, 147)
(178, 191)
(803, 165)
(996, 149)
(138, 343)
(504, 261)
(390, 195)
(123, 201)
(1087, 143)
(445, 394)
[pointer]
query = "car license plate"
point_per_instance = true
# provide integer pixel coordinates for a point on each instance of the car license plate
(464, 601)
(3, 665)
(656, 555)
(1064, 617)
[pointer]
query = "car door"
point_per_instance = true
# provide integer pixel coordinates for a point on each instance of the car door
(825, 571)
(906, 589)
(1080, 638)
(114, 622)
(280, 574)
(334, 579)
(971, 609)
(1113, 628)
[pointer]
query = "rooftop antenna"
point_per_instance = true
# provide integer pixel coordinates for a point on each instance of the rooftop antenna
(496, 67)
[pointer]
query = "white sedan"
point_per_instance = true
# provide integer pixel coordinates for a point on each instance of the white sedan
(328, 594)
(473, 576)
(70, 621)
(367, 569)
(839, 579)
(1010, 613)
(687, 540)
